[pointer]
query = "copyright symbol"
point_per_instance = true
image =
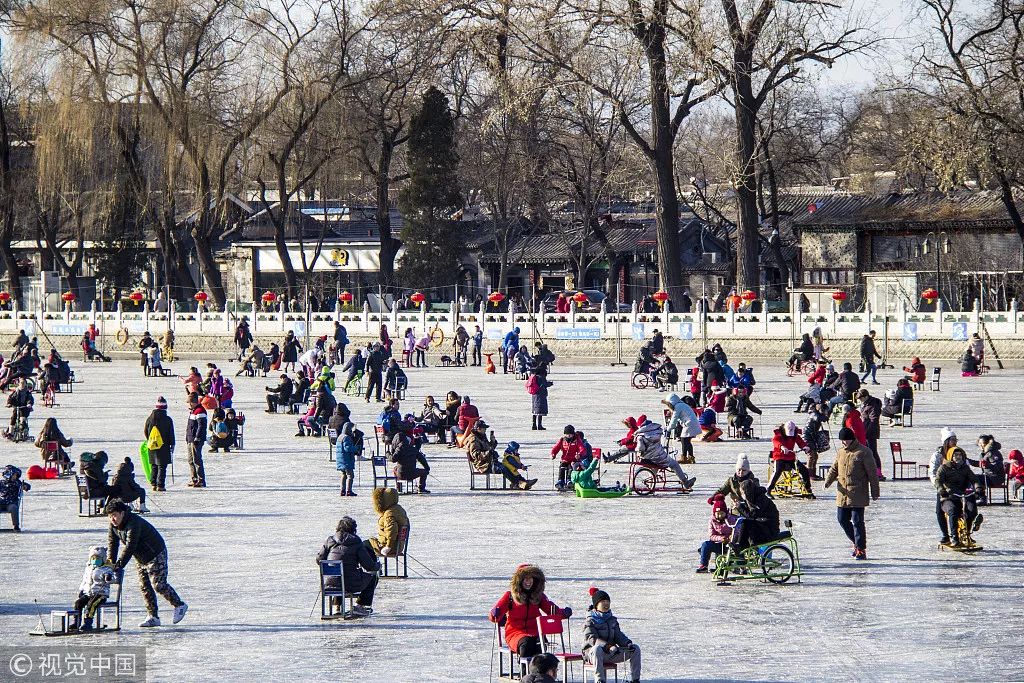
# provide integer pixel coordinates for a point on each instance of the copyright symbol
(21, 665)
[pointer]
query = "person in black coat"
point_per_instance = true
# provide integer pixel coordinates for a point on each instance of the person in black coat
(143, 543)
(96, 475)
(281, 395)
(871, 415)
(407, 455)
(160, 458)
(125, 487)
(375, 373)
(195, 437)
(359, 566)
(804, 353)
(290, 351)
(868, 354)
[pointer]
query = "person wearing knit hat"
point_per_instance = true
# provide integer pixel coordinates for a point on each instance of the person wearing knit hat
(943, 453)
(719, 532)
(159, 435)
(733, 486)
(854, 469)
(1015, 477)
(603, 640)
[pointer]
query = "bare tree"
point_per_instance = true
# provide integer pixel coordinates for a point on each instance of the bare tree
(304, 133)
(637, 55)
(975, 67)
(762, 47)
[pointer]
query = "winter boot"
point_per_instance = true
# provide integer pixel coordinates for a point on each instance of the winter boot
(529, 484)
(540, 423)
(86, 624)
(142, 508)
(977, 522)
(534, 427)
(953, 531)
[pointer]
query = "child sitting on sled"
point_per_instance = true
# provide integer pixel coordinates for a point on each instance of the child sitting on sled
(511, 465)
(95, 588)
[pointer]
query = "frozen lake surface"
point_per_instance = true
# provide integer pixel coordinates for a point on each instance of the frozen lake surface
(242, 551)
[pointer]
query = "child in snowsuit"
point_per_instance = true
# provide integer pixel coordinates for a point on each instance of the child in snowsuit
(719, 532)
(95, 588)
(604, 642)
(627, 443)
(709, 426)
(511, 464)
(570, 446)
(345, 457)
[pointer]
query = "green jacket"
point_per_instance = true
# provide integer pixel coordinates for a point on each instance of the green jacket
(585, 478)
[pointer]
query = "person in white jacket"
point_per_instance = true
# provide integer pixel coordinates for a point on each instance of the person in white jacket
(683, 424)
(941, 454)
(649, 447)
(95, 586)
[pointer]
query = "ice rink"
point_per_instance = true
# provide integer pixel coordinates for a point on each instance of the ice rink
(242, 552)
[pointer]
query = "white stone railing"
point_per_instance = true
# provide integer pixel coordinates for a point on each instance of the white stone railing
(575, 324)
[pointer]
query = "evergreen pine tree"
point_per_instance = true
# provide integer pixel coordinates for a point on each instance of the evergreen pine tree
(430, 196)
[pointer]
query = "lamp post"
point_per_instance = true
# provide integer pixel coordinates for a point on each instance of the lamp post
(941, 242)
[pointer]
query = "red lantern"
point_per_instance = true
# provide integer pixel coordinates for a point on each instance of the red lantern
(417, 298)
(268, 297)
(496, 298)
(930, 295)
(345, 297)
(580, 298)
(201, 296)
(136, 296)
(749, 295)
(661, 297)
(4, 298)
(839, 296)
(68, 297)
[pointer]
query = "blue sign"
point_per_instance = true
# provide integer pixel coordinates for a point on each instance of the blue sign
(578, 333)
(686, 331)
(959, 331)
(70, 330)
(909, 331)
(638, 331)
(299, 327)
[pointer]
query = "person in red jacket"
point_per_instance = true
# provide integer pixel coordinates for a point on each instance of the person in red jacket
(818, 376)
(854, 421)
(627, 443)
(570, 446)
(519, 608)
(917, 371)
(1015, 477)
(785, 441)
(466, 414)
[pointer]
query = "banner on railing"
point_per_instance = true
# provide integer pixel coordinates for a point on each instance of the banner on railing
(909, 331)
(578, 333)
(686, 331)
(959, 331)
(638, 331)
(71, 330)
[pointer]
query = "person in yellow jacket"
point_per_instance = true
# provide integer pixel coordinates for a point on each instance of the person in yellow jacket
(392, 518)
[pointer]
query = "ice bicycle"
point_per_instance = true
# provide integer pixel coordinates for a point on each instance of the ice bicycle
(774, 561)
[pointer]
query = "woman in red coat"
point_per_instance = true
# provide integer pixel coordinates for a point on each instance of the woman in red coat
(853, 421)
(519, 608)
(785, 440)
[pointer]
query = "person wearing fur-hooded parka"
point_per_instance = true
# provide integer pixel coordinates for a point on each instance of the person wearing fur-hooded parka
(392, 518)
(519, 608)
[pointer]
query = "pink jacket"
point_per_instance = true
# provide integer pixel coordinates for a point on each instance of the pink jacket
(718, 532)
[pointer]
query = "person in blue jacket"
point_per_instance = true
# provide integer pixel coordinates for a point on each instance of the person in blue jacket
(511, 342)
(345, 456)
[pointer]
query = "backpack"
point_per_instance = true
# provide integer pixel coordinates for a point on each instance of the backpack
(533, 385)
(357, 440)
(155, 441)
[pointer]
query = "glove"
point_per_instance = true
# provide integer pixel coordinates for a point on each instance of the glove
(566, 612)
(495, 612)
(386, 550)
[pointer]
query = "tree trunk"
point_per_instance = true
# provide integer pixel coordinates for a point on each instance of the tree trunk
(389, 246)
(670, 272)
(7, 216)
(747, 269)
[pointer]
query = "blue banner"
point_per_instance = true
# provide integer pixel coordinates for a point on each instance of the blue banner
(578, 333)
(686, 331)
(909, 331)
(959, 331)
(638, 331)
(70, 330)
